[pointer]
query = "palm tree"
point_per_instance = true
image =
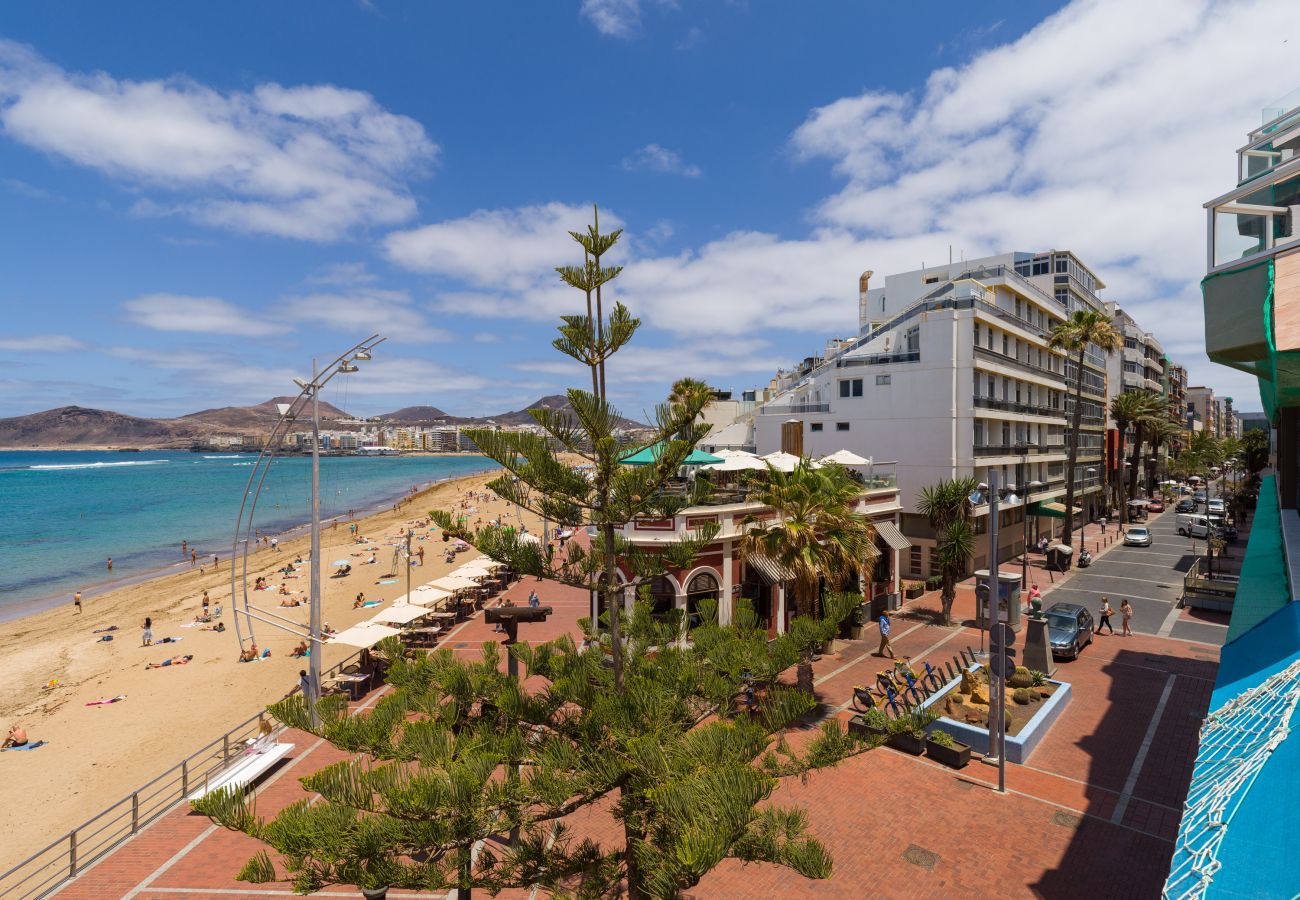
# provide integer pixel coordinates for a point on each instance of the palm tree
(1073, 336)
(818, 535)
(1149, 410)
(947, 506)
(1124, 408)
(1162, 433)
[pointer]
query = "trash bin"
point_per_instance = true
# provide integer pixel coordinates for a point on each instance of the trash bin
(1060, 557)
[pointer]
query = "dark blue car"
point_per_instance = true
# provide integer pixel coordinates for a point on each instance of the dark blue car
(1069, 629)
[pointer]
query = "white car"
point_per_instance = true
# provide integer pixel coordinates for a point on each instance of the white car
(1137, 536)
(1215, 507)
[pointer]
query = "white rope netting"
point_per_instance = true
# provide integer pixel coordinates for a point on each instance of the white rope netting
(1236, 741)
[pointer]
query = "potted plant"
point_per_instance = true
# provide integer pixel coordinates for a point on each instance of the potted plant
(934, 583)
(914, 590)
(857, 622)
(907, 732)
(942, 747)
(871, 722)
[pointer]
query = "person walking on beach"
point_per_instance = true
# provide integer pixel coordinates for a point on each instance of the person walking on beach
(1106, 612)
(194, 556)
(206, 601)
(275, 544)
(110, 564)
(184, 547)
(146, 636)
(884, 635)
(76, 601)
(1126, 610)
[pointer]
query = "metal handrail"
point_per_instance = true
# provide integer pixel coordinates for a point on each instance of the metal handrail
(70, 853)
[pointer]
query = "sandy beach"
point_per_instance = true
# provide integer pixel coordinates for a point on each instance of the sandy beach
(95, 755)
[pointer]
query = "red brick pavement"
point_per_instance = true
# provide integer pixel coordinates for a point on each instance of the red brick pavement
(897, 826)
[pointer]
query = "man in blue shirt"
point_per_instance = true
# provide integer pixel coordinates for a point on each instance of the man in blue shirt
(884, 635)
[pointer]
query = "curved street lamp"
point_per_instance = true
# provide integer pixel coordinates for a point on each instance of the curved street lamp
(345, 364)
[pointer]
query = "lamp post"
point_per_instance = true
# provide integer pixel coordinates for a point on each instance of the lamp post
(344, 364)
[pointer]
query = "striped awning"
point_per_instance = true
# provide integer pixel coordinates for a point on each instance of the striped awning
(893, 537)
(771, 570)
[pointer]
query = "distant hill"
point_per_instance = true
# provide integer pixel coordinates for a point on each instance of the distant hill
(73, 426)
(262, 416)
(416, 415)
(551, 401)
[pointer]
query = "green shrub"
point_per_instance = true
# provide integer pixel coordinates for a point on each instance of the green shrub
(942, 738)
(913, 722)
(876, 718)
(1040, 678)
(1023, 696)
(934, 582)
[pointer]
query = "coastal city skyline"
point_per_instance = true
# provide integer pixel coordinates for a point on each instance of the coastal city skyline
(235, 210)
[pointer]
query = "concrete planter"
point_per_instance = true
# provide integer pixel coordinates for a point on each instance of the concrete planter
(1021, 745)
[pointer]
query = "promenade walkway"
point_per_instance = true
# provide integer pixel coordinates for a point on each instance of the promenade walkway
(1093, 813)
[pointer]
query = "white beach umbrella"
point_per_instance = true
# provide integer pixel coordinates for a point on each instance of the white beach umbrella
(425, 596)
(785, 462)
(846, 458)
(729, 454)
(453, 583)
(399, 615)
(364, 634)
(736, 464)
(468, 572)
(482, 564)
(530, 538)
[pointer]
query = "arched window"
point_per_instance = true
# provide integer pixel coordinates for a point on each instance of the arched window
(703, 586)
(663, 595)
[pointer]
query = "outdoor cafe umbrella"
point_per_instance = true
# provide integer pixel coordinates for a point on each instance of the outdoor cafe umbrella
(737, 464)
(425, 596)
(729, 453)
(454, 583)
(399, 615)
(846, 458)
(785, 462)
(467, 572)
(364, 634)
(647, 455)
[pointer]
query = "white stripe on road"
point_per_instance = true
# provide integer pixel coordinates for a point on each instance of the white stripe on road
(1163, 568)
(1114, 594)
(1125, 577)
(1121, 807)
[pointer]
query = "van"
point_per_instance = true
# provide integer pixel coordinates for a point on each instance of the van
(1193, 525)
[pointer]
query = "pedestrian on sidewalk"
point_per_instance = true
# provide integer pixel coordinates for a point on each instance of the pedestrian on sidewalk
(1106, 612)
(884, 635)
(1126, 610)
(1102, 523)
(1034, 594)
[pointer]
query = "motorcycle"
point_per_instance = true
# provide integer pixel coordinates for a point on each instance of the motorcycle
(1085, 559)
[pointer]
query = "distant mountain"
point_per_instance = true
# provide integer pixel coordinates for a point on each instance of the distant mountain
(417, 415)
(77, 426)
(551, 401)
(262, 416)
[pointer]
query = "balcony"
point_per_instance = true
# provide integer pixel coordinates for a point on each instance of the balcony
(1013, 407)
(878, 359)
(1017, 450)
(1012, 361)
(795, 409)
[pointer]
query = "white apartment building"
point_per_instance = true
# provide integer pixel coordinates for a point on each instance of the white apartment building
(952, 376)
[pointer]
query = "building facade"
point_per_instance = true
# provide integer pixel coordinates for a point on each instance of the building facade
(952, 374)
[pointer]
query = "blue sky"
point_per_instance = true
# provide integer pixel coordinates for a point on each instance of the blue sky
(197, 198)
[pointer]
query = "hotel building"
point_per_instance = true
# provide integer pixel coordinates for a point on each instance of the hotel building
(953, 376)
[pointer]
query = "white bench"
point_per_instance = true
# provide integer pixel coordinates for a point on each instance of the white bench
(250, 765)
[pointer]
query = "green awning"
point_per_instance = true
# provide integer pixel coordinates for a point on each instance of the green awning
(1050, 509)
(647, 455)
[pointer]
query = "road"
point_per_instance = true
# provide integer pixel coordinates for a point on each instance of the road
(1152, 580)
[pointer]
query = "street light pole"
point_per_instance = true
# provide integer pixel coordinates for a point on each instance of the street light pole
(313, 662)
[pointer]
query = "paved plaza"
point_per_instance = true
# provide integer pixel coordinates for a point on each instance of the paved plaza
(1093, 813)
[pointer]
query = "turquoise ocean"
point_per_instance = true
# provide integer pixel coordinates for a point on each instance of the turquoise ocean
(66, 512)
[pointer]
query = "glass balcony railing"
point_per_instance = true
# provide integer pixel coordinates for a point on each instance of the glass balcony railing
(1255, 223)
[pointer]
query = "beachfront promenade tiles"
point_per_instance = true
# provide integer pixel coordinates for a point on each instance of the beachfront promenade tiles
(1081, 819)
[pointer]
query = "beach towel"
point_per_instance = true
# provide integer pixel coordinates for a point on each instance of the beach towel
(27, 746)
(168, 640)
(106, 637)
(386, 581)
(117, 699)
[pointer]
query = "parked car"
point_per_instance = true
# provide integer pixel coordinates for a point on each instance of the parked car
(1156, 506)
(1069, 628)
(1186, 505)
(1215, 507)
(1193, 525)
(1199, 496)
(1137, 536)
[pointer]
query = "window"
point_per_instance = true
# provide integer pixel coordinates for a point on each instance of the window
(914, 560)
(841, 426)
(883, 379)
(979, 432)
(815, 426)
(930, 279)
(851, 387)
(1006, 345)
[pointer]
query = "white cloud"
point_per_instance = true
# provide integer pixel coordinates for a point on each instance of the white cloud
(616, 18)
(342, 273)
(41, 343)
(207, 315)
(661, 161)
(641, 363)
(311, 162)
(362, 312)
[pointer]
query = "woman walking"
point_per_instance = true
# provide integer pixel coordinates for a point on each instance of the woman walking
(1126, 610)
(1106, 612)
(146, 637)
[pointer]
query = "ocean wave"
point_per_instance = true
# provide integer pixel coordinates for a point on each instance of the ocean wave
(104, 465)
(231, 456)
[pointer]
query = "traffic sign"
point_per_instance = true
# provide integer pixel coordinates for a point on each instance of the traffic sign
(1003, 665)
(1003, 634)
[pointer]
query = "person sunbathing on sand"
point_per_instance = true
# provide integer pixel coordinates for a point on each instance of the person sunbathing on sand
(248, 655)
(174, 661)
(284, 590)
(17, 737)
(291, 602)
(300, 650)
(219, 627)
(360, 601)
